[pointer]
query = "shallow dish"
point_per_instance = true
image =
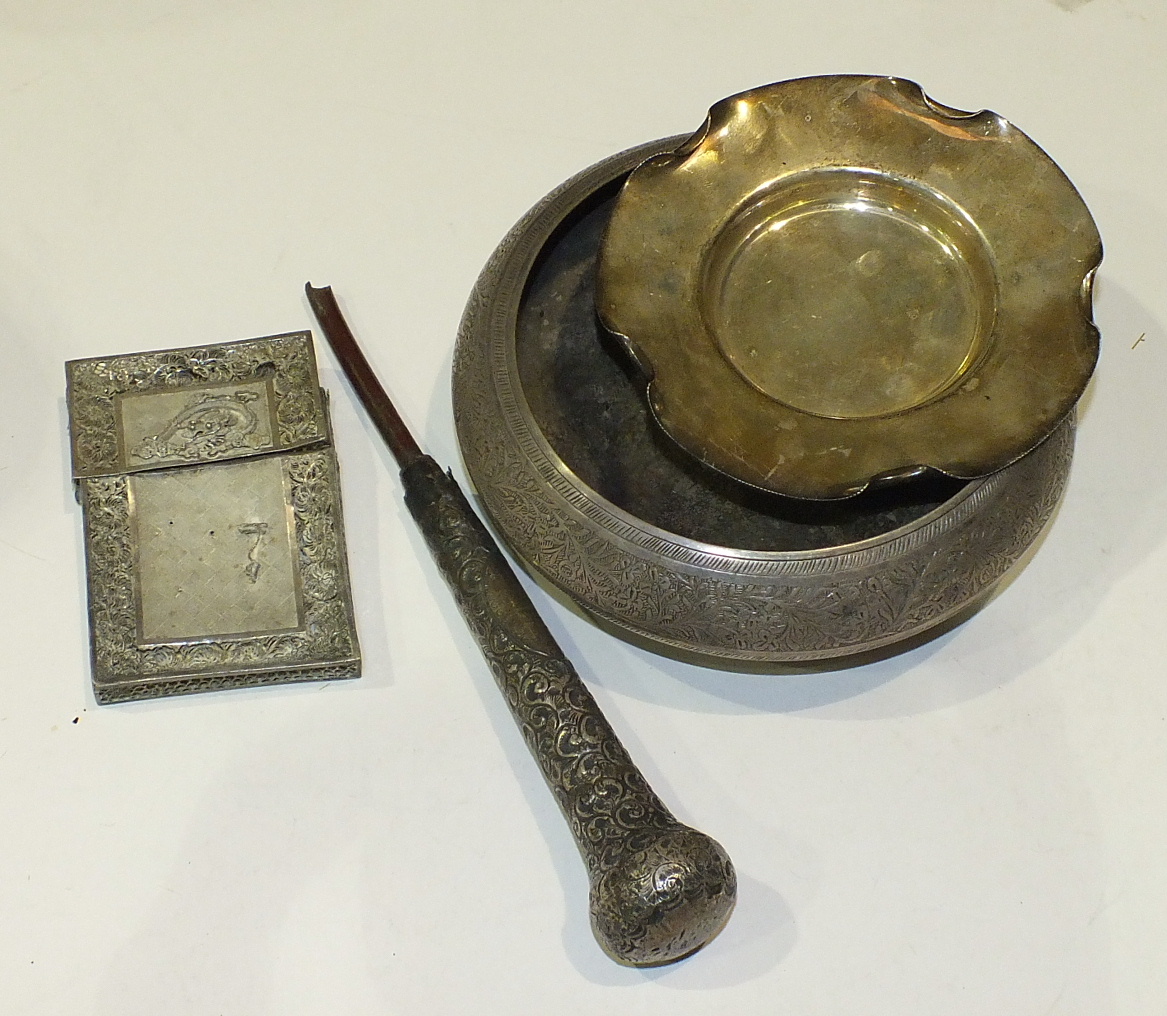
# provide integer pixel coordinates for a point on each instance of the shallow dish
(570, 468)
(838, 280)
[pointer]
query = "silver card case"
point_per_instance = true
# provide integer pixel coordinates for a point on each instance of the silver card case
(214, 540)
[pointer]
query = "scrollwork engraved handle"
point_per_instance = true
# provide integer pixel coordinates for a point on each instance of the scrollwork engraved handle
(659, 889)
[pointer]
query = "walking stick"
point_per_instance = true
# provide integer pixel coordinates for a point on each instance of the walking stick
(659, 889)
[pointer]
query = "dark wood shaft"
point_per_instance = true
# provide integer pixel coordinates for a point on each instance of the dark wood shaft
(360, 375)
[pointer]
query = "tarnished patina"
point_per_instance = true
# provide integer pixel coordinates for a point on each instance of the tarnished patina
(838, 281)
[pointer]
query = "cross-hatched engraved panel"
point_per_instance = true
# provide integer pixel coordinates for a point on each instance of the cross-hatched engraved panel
(215, 551)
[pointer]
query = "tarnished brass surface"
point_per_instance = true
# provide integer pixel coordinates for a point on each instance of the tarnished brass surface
(837, 280)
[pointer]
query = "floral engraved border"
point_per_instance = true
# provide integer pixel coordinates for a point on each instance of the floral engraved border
(326, 643)
(94, 386)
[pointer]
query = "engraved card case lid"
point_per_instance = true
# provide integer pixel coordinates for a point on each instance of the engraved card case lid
(214, 540)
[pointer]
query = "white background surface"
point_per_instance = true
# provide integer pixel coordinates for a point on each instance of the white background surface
(976, 827)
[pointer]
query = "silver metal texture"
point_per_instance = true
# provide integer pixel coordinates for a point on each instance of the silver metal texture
(788, 592)
(213, 534)
(659, 889)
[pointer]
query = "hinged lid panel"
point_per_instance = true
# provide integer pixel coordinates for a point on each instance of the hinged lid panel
(192, 406)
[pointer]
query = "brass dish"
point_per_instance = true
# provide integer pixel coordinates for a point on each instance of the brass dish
(837, 281)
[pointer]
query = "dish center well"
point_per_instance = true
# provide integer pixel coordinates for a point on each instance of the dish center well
(849, 293)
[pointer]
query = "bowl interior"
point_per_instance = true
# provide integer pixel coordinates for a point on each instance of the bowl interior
(588, 401)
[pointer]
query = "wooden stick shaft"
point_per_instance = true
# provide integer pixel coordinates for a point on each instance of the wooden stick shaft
(360, 375)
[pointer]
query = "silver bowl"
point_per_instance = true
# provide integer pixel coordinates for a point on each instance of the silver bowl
(578, 481)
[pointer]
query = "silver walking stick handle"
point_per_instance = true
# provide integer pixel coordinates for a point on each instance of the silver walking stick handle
(659, 888)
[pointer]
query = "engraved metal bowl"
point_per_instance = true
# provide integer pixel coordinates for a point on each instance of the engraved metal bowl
(568, 464)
